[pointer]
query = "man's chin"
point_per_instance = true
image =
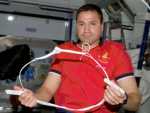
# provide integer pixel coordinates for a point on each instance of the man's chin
(86, 41)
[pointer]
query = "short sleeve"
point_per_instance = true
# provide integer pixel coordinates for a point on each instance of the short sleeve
(123, 65)
(55, 66)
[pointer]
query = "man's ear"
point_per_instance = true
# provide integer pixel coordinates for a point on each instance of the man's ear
(102, 27)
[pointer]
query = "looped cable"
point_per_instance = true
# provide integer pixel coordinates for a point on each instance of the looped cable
(86, 48)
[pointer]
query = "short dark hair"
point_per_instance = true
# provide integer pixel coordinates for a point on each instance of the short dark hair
(90, 7)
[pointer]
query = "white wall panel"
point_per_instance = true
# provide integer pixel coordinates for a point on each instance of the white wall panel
(33, 27)
(58, 3)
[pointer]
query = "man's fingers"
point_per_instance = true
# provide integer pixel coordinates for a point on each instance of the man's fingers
(112, 97)
(27, 98)
(109, 97)
(16, 87)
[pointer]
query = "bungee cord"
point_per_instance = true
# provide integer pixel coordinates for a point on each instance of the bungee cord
(146, 4)
(57, 50)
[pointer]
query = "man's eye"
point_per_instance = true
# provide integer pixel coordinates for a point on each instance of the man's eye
(93, 23)
(81, 24)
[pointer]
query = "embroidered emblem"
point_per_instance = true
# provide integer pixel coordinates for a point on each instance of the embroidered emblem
(104, 58)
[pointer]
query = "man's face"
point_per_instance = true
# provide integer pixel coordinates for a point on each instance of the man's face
(89, 27)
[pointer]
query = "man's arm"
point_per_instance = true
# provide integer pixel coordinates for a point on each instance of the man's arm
(44, 93)
(49, 87)
(130, 87)
(115, 97)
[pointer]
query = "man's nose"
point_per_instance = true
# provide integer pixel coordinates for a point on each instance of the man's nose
(86, 28)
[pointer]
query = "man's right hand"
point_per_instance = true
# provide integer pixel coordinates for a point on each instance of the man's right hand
(27, 98)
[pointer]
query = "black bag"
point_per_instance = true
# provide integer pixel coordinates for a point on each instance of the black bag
(12, 60)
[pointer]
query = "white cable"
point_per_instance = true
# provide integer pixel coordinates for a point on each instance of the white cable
(147, 5)
(71, 109)
(90, 56)
(85, 47)
(20, 80)
(57, 51)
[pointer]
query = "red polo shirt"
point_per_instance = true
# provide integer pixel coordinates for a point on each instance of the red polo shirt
(83, 80)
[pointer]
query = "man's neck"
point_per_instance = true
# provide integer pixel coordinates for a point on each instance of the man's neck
(93, 45)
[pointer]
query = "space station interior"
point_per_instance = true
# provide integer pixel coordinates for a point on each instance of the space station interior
(32, 28)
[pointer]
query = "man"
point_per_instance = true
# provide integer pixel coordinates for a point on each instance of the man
(75, 81)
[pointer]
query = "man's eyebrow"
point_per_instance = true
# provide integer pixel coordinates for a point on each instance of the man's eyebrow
(89, 21)
(80, 21)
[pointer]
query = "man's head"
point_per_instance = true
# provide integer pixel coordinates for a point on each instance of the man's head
(89, 20)
(90, 7)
